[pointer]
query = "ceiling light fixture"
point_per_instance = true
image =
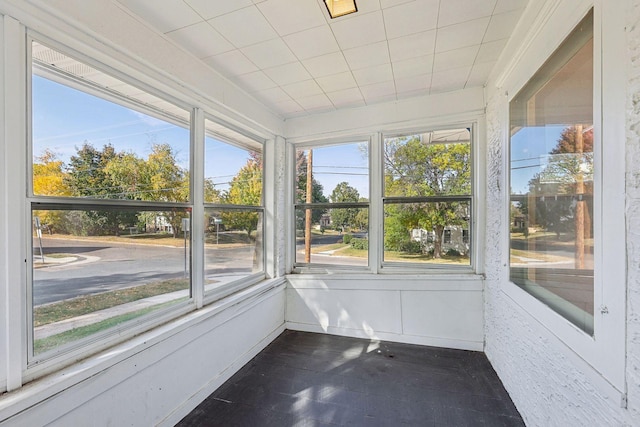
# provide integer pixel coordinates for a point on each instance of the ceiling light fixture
(338, 8)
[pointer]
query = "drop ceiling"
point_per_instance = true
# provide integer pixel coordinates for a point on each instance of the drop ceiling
(296, 60)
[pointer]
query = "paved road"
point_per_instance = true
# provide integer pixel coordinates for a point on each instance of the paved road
(106, 266)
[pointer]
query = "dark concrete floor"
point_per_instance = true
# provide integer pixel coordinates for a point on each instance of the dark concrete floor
(305, 379)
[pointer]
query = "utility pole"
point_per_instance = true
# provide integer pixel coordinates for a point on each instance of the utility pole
(580, 202)
(309, 199)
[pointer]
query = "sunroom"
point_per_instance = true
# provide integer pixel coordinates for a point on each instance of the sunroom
(185, 182)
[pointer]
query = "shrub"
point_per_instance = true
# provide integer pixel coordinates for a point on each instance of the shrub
(410, 246)
(453, 252)
(346, 239)
(362, 244)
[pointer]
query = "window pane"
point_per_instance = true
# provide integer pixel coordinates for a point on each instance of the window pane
(428, 164)
(329, 241)
(233, 245)
(96, 269)
(428, 232)
(87, 145)
(233, 175)
(325, 234)
(552, 181)
(340, 173)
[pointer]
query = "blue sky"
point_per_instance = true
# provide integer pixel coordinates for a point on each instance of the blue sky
(530, 147)
(64, 118)
(338, 163)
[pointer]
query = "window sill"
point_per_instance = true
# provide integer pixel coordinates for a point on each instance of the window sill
(397, 282)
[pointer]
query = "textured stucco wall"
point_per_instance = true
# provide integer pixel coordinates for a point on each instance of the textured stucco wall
(633, 209)
(544, 380)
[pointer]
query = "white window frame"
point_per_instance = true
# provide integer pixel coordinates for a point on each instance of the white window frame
(235, 285)
(473, 221)
(604, 352)
(38, 364)
(291, 165)
(376, 206)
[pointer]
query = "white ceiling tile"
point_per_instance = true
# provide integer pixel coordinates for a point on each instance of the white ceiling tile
(378, 92)
(510, 5)
(367, 56)
(359, 30)
(244, 27)
(337, 82)
(210, 9)
(313, 42)
(289, 17)
(269, 54)
(287, 73)
(450, 80)
(461, 35)
(491, 51)
(455, 58)
(371, 75)
(325, 65)
(231, 63)
(409, 18)
(255, 81)
(346, 98)
(419, 44)
(315, 102)
(457, 11)
(364, 6)
(480, 74)
(384, 4)
(501, 26)
(413, 84)
(287, 108)
(302, 89)
(172, 15)
(417, 92)
(272, 96)
(413, 67)
(201, 40)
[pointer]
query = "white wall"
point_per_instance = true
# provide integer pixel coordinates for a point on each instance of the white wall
(552, 381)
(444, 311)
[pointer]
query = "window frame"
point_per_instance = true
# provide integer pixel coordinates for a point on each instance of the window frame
(376, 202)
(38, 364)
(604, 352)
(319, 267)
(260, 143)
(414, 267)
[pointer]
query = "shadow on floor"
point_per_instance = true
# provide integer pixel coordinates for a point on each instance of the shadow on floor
(306, 379)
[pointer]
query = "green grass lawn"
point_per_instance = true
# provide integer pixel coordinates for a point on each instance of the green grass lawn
(79, 306)
(53, 341)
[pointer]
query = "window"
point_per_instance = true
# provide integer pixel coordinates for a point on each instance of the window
(332, 205)
(234, 214)
(427, 198)
(110, 199)
(552, 181)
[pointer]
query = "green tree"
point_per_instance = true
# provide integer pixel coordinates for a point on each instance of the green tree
(362, 217)
(87, 177)
(414, 168)
(344, 193)
(168, 182)
(245, 189)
